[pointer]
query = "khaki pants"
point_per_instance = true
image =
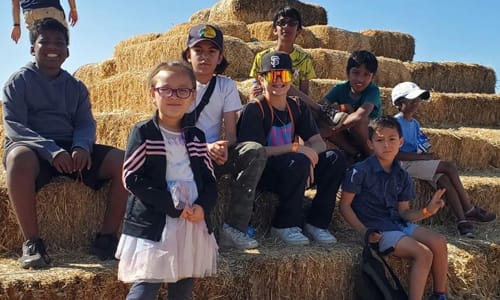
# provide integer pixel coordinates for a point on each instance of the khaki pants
(32, 15)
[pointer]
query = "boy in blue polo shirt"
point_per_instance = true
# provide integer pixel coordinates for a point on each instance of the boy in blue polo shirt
(377, 193)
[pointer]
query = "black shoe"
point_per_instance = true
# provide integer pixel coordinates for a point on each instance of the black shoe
(466, 229)
(34, 254)
(104, 246)
(438, 297)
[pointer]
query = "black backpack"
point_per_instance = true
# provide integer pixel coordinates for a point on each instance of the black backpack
(377, 280)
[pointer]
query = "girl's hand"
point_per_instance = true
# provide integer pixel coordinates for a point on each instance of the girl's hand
(436, 202)
(186, 212)
(197, 215)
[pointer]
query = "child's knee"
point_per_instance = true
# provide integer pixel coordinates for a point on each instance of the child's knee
(21, 158)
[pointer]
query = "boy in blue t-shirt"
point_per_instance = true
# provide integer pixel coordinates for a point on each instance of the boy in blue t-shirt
(420, 163)
(360, 98)
(377, 193)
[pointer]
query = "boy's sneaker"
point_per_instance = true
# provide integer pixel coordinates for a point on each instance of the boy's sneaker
(466, 229)
(104, 246)
(34, 254)
(322, 236)
(232, 237)
(479, 215)
(291, 235)
(438, 297)
(336, 118)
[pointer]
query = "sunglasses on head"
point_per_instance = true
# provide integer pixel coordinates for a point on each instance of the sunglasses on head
(284, 75)
(284, 22)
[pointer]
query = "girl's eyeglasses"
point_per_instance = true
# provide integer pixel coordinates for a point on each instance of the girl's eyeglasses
(181, 93)
(284, 75)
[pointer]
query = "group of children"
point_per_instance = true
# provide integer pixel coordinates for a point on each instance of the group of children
(200, 131)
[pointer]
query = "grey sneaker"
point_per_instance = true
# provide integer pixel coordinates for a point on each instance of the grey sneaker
(291, 235)
(322, 236)
(466, 229)
(232, 237)
(480, 215)
(34, 254)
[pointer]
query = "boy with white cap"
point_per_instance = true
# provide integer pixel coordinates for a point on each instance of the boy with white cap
(420, 163)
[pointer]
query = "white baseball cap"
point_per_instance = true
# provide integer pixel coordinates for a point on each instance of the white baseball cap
(408, 90)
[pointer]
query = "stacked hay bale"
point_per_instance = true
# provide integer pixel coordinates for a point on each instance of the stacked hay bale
(458, 113)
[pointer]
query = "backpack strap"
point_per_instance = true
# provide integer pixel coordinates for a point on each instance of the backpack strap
(374, 248)
(192, 117)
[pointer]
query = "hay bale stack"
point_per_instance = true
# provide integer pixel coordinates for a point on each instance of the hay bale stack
(114, 128)
(392, 44)
(329, 63)
(332, 64)
(69, 215)
(200, 16)
(232, 28)
(257, 46)
(318, 88)
(144, 56)
(390, 72)
(264, 31)
(453, 77)
(93, 73)
(469, 148)
(339, 39)
(124, 91)
(255, 11)
(137, 39)
(245, 89)
(239, 56)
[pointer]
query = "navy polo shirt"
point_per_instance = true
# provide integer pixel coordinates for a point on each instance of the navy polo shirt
(378, 193)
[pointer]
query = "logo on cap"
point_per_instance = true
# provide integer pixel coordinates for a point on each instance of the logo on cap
(207, 32)
(275, 61)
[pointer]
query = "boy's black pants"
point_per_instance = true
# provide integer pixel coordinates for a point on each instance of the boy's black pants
(287, 174)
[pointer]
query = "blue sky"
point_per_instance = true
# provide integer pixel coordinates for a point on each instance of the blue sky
(444, 30)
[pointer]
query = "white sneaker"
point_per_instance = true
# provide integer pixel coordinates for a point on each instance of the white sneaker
(232, 237)
(291, 235)
(322, 236)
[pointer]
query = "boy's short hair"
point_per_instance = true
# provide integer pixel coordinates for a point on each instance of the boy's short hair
(362, 57)
(48, 24)
(381, 122)
(275, 60)
(211, 33)
(288, 12)
(408, 90)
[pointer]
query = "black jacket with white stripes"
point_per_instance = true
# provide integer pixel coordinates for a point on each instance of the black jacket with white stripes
(144, 171)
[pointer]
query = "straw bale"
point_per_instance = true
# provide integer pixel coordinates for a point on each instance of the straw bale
(74, 275)
(340, 39)
(126, 91)
(113, 128)
(245, 89)
(144, 56)
(259, 10)
(69, 215)
(469, 148)
(392, 44)
(136, 39)
(262, 31)
(318, 88)
(329, 63)
(239, 56)
(200, 16)
(235, 29)
(258, 46)
(88, 73)
(107, 68)
(453, 77)
(390, 72)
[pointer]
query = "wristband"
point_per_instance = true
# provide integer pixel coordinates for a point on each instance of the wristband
(16, 25)
(426, 212)
(295, 146)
